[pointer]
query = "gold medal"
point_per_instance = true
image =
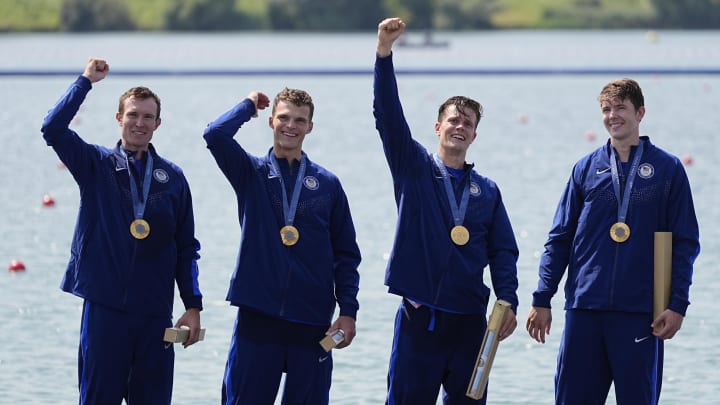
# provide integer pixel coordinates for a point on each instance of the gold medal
(459, 235)
(140, 229)
(289, 235)
(619, 232)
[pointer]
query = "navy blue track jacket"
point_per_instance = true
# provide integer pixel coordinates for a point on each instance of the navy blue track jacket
(107, 264)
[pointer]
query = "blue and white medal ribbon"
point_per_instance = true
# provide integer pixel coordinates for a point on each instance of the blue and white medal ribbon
(288, 233)
(620, 231)
(459, 234)
(139, 228)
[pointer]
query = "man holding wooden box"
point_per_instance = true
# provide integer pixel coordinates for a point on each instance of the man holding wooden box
(618, 201)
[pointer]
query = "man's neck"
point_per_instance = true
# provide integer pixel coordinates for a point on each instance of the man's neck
(624, 146)
(137, 153)
(454, 160)
(290, 157)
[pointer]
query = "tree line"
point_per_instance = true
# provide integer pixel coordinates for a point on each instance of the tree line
(363, 15)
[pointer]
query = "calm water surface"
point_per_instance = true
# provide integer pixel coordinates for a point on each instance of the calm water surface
(534, 129)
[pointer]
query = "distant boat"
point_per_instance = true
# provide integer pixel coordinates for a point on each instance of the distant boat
(427, 41)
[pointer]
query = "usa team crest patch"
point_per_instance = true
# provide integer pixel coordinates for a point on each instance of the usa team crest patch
(646, 170)
(311, 182)
(161, 175)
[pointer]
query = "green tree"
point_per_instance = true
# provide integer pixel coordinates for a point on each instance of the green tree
(688, 13)
(464, 14)
(95, 15)
(422, 12)
(316, 15)
(583, 14)
(207, 15)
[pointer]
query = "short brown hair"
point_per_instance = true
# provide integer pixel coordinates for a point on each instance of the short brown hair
(141, 93)
(295, 96)
(623, 89)
(460, 103)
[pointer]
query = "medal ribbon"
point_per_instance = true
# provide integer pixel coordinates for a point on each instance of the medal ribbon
(458, 213)
(289, 209)
(624, 199)
(139, 205)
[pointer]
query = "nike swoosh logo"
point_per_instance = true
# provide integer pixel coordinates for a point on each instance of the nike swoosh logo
(321, 359)
(167, 345)
(605, 170)
(638, 340)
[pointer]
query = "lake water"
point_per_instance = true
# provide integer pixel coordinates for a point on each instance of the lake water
(535, 128)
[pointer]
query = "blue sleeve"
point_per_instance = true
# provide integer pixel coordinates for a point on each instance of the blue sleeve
(683, 224)
(58, 118)
(70, 148)
(399, 147)
(503, 255)
(556, 256)
(187, 272)
(229, 155)
(346, 256)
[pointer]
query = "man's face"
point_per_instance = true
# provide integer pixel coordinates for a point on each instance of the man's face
(290, 124)
(138, 122)
(621, 119)
(456, 131)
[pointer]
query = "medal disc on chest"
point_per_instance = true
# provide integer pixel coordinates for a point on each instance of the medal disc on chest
(619, 232)
(140, 229)
(459, 235)
(289, 235)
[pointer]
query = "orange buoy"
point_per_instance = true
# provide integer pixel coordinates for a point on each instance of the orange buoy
(16, 265)
(48, 201)
(523, 118)
(590, 136)
(687, 160)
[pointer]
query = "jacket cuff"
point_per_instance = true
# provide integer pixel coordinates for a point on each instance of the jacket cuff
(351, 312)
(541, 300)
(678, 306)
(192, 302)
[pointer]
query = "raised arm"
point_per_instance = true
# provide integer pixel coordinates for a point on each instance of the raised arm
(403, 153)
(70, 148)
(389, 30)
(96, 69)
(260, 100)
(219, 136)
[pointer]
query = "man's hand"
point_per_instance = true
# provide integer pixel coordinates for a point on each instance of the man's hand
(260, 100)
(347, 324)
(538, 323)
(508, 326)
(96, 69)
(389, 30)
(670, 322)
(191, 319)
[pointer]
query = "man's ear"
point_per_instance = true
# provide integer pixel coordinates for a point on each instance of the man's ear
(641, 113)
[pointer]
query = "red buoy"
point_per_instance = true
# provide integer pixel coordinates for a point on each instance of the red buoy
(48, 201)
(687, 160)
(590, 136)
(16, 265)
